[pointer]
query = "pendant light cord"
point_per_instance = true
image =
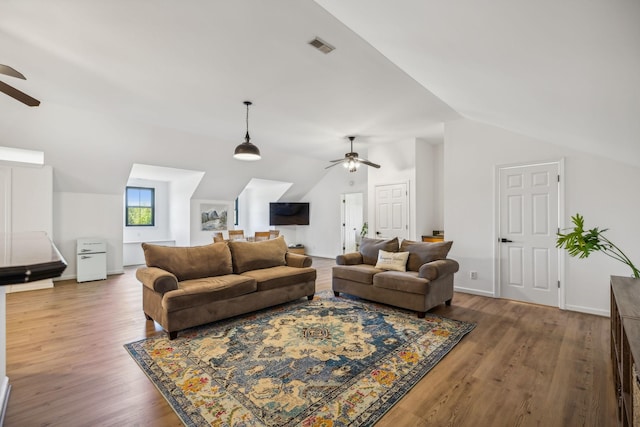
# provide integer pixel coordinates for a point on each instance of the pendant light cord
(247, 103)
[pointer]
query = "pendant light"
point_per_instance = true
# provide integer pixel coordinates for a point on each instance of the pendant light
(247, 151)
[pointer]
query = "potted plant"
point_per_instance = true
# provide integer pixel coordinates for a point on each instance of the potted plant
(363, 233)
(365, 229)
(582, 243)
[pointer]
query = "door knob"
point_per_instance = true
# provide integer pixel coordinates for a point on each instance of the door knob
(503, 240)
(377, 233)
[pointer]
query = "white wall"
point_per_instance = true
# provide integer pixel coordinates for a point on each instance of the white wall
(180, 192)
(438, 190)
(32, 195)
(602, 190)
(429, 203)
(77, 215)
(322, 237)
(31, 209)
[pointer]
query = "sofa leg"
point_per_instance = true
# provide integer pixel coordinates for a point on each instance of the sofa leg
(147, 316)
(421, 314)
(310, 297)
(173, 335)
(336, 293)
(448, 302)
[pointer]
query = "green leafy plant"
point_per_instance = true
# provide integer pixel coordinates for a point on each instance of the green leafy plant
(582, 243)
(365, 229)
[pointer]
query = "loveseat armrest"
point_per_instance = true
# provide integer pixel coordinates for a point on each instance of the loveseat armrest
(351, 258)
(298, 260)
(435, 269)
(157, 279)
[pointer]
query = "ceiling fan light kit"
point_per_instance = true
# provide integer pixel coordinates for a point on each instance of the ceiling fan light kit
(247, 151)
(351, 160)
(12, 91)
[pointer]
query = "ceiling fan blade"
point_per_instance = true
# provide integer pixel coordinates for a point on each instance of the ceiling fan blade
(6, 70)
(368, 163)
(339, 160)
(20, 96)
(330, 166)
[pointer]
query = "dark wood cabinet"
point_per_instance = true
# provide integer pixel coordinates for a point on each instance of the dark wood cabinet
(625, 347)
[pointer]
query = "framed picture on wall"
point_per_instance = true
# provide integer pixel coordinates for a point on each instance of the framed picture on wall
(213, 216)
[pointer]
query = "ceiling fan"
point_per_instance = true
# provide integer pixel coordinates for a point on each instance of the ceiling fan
(351, 160)
(13, 92)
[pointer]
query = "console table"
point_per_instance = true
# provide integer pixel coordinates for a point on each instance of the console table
(625, 347)
(296, 249)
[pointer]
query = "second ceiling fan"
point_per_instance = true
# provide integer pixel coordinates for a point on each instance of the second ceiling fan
(12, 91)
(351, 160)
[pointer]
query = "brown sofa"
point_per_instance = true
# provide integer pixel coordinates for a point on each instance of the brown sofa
(427, 281)
(191, 286)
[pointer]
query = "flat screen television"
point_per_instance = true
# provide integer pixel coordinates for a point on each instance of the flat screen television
(288, 213)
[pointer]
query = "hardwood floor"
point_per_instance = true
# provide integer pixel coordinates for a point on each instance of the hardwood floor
(523, 365)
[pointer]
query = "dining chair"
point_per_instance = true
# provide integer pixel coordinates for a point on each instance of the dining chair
(262, 235)
(218, 237)
(236, 234)
(274, 233)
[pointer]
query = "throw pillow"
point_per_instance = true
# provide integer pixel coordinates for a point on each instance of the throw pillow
(424, 252)
(396, 261)
(369, 248)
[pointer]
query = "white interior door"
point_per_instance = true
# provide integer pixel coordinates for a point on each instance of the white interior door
(352, 217)
(527, 233)
(391, 206)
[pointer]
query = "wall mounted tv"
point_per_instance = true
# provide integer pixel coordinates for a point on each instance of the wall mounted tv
(288, 213)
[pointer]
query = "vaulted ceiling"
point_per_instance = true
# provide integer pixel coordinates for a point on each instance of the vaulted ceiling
(162, 82)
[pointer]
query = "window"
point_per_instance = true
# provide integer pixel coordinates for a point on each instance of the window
(140, 206)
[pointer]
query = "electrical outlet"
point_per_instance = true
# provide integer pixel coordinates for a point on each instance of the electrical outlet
(473, 275)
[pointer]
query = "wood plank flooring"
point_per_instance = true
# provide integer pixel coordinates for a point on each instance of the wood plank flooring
(523, 365)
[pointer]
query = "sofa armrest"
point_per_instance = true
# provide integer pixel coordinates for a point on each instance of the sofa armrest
(298, 260)
(435, 269)
(351, 258)
(157, 279)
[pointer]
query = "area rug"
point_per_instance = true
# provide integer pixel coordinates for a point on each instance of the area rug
(327, 362)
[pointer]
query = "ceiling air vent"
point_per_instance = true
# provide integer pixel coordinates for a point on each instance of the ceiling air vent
(321, 45)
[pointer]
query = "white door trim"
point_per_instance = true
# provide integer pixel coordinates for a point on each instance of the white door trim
(496, 225)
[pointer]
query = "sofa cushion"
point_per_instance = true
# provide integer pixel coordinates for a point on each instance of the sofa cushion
(423, 252)
(249, 256)
(403, 282)
(396, 261)
(369, 248)
(190, 262)
(196, 292)
(280, 276)
(361, 273)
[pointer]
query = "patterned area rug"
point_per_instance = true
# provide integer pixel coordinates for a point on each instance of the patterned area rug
(327, 362)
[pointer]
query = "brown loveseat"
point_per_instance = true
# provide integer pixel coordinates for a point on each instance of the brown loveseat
(427, 281)
(190, 286)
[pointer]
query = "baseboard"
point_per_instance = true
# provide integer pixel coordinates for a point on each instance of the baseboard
(74, 276)
(5, 390)
(32, 286)
(473, 292)
(588, 310)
